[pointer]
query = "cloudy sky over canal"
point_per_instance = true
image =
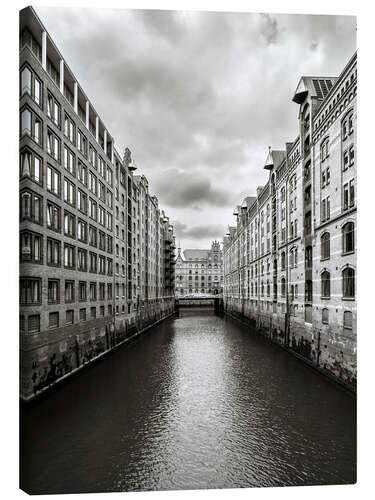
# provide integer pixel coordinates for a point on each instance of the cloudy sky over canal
(198, 97)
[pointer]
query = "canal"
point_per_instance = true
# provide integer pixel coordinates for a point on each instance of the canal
(199, 401)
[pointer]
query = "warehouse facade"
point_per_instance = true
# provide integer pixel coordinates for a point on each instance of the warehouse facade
(290, 258)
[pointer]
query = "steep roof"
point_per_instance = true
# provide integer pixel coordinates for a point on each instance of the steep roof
(316, 86)
(195, 253)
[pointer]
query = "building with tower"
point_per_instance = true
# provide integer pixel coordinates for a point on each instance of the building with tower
(199, 271)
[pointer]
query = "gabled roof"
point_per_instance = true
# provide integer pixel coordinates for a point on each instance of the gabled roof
(316, 86)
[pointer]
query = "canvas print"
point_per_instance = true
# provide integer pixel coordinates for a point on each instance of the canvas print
(188, 250)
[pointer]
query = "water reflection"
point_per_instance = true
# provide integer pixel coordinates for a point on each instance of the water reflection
(199, 402)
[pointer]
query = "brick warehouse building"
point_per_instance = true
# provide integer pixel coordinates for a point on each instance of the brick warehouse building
(96, 251)
(290, 259)
(199, 271)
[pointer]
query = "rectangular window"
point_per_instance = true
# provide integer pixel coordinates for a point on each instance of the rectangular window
(101, 167)
(53, 252)
(93, 262)
(31, 166)
(69, 291)
(53, 216)
(31, 125)
(109, 221)
(53, 145)
(69, 160)
(69, 192)
(82, 173)
(92, 291)
(53, 109)
(54, 320)
(351, 193)
(101, 291)
(53, 180)
(30, 247)
(92, 183)
(82, 230)
(69, 128)
(101, 214)
(109, 267)
(101, 264)
(92, 312)
(53, 291)
(69, 256)
(33, 323)
(69, 318)
(82, 291)
(109, 176)
(81, 201)
(82, 314)
(346, 196)
(82, 259)
(30, 84)
(82, 143)
(92, 156)
(30, 291)
(101, 311)
(101, 191)
(93, 209)
(102, 240)
(92, 236)
(31, 207)
(69, 224)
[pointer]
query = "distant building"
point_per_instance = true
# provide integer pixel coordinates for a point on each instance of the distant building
(199, 271)
(290, 259)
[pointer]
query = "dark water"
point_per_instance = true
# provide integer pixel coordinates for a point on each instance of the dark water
(198, 402)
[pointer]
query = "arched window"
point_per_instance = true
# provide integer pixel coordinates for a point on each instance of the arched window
(325, 316)
(348, 320)
(348, 278)
(283, 287)
(291, 292)
(325, 284)
(325, 246)
(348, 237)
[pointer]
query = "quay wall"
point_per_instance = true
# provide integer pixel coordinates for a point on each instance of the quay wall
(327, 348)
(46, 360)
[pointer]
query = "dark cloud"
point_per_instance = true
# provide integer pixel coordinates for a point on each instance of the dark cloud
(198, 96)
(199, 233)
(269, 29)
(186, 190)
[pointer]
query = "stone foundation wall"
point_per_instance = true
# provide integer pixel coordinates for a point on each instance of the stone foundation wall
(51, 356)
(328, 348)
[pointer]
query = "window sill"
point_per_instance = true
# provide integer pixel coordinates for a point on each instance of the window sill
(325, 298)
(348, 299)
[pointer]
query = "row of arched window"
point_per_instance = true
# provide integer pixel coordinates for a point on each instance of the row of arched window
(347, 241)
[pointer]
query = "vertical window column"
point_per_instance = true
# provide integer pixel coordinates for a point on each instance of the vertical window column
(75, 97)
(62, 76)
(44, 50)
(87, 114)
(97, 128)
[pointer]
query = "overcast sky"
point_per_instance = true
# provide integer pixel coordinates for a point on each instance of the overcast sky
(198, 96)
